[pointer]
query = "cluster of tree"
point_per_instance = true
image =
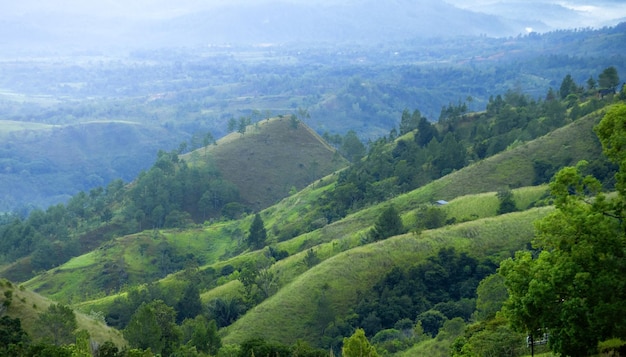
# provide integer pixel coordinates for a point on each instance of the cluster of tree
(173, 193)
(426, 295)
(566, 293)
(581, 246)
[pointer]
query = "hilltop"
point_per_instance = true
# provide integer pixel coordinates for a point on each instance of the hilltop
(270, 159)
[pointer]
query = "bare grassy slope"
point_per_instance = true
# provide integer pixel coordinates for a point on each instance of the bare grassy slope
(272, 157)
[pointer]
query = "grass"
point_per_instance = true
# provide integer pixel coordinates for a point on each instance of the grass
(27, 305)
(270, 159)
(347, 266)
(291, 313)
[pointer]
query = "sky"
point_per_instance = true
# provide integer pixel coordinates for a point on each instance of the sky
(115, 21)
(591, 13)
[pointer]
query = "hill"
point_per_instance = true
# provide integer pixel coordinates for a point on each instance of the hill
(272, 158)
(27, 305)
(130, 260)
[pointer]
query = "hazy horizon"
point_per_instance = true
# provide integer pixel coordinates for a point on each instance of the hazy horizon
(76, 24)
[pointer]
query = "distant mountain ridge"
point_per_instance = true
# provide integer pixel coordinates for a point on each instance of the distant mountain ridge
(263, 22)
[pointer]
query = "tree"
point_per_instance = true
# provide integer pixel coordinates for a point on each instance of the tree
(232, 125)
(357, 345)
(608, 79)
(225, 311)
(189, 306)
(58, 323)
(507, 203)
(257, 233)
(202, 334)
(568, 86)
(11, 334)
(352, 148)
(574, 289)
(153, 326)
(409, 122)
(389, 224)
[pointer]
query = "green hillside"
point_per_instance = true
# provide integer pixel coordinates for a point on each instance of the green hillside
(271, 158)
(133, 257)
(27, 305)
(293, 313)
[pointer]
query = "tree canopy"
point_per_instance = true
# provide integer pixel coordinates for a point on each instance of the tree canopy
(574, 288)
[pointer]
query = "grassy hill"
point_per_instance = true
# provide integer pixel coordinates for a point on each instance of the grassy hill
(270, 159)
(291, 314)
(27, 305)
(348, 265)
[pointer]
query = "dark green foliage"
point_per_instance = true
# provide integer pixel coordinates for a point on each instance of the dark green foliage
(609, 79)
(189, 306)
(507, 202)
(225, 311)
(261, 348)
(124, 307)
(153, 326)
(108, 349)
(568, 86)
(311, 259)
(351, 147)
(11, 335)
(57, 324)
(431, 321)
(257, 233)
(388, 224)
(446, 281)
(201, 334)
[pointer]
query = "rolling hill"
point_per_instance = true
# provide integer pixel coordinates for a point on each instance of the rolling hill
(272, 158)
(339, 245)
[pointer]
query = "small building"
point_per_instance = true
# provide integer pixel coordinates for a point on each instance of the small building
(441, 202)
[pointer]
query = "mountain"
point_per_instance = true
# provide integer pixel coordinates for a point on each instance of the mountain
(61, 29)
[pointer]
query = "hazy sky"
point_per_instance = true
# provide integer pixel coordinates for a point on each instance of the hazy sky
(593, 13)
(135, 22)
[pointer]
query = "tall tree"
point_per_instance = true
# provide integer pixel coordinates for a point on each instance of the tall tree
(189, 306)
(351, 147)
(257, 233)
(153, 326)
(58, 323)
(574, 289)
(389, 224)
(608, 79)
(357, 345)
(568, 86)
